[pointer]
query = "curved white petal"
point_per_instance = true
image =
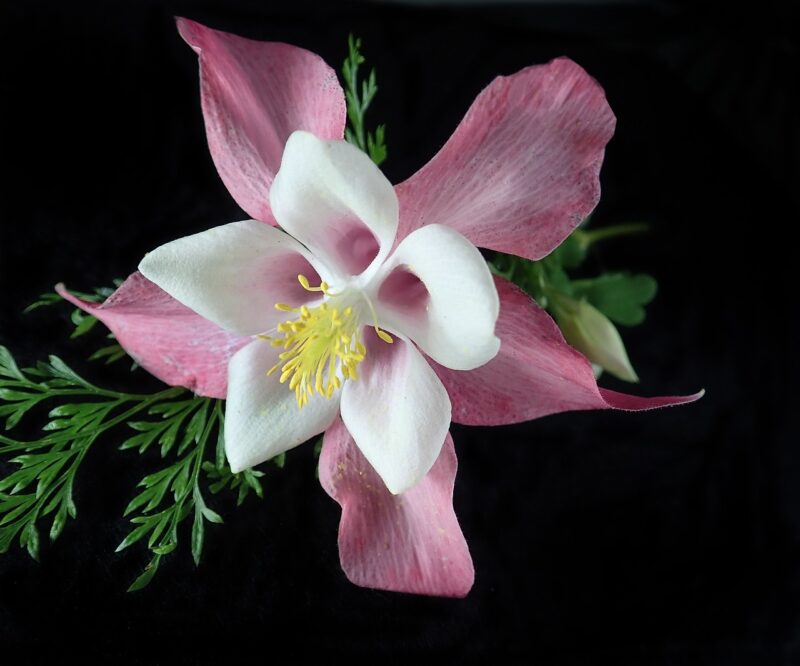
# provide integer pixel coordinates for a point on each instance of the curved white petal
(233, 274)
(398, 412)
(262, 418)
(331, 197)
(454, 322)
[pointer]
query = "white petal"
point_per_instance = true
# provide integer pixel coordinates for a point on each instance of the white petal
(398, 412)
(454, 323)
(233, 275)
(331, 197)
(262, 418)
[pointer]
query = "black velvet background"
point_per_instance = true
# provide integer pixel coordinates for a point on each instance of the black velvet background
(662, 538)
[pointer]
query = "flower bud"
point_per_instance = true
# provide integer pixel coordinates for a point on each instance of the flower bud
(590, 332)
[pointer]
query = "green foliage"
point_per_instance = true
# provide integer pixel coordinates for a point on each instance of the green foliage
(42, 485)
(242, 483)
(358, 101)
(619, 296)
(111, 353)
(97, 295)
(173, 493)
(571, 253)
(317, 451)
(84, 322)
(185, 429)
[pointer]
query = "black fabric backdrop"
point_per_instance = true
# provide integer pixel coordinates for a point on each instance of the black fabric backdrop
(657, 538)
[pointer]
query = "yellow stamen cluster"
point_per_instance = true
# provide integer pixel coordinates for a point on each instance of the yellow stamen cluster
(318, 344)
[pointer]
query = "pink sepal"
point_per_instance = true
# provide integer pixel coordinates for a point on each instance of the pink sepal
(521, 171)
(403, 543)
(534, 374)
(165, 337)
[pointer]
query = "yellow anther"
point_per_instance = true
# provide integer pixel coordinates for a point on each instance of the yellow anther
(383, 335)
(323, 286)
(321, 346)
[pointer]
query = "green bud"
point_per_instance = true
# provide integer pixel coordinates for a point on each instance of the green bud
(592, 333)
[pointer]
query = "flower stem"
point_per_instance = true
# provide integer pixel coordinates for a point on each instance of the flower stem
(586, 238)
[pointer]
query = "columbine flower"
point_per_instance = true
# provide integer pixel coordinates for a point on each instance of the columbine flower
(519, 173)
(319, 300)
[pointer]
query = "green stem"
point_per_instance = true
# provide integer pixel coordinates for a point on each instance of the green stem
(191, 488)
(201, 444)
(593, 235)
(144, 401)
(94, 392)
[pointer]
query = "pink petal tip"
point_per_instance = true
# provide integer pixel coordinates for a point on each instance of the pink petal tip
(402, 543)
(166, 338)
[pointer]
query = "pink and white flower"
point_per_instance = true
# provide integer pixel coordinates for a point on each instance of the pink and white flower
(400, 264)
(339, 217)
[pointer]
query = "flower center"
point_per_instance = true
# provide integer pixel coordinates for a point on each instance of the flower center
(323, 345)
